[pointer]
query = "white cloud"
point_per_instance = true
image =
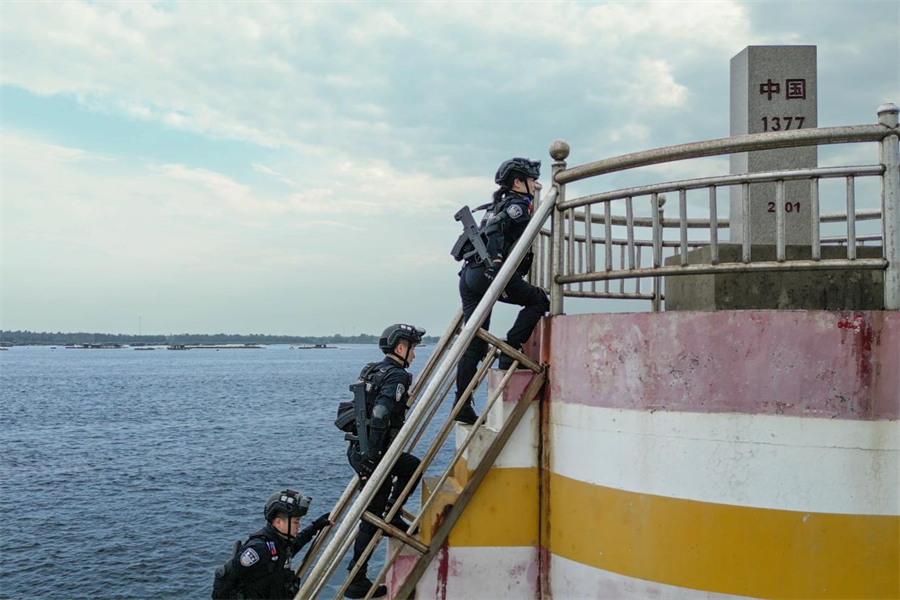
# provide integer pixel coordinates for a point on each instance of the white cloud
(363, 120)
(278, 75)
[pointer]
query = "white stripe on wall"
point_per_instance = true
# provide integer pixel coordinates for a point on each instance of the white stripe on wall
(570, 580)
(486, 573)
(763, 461)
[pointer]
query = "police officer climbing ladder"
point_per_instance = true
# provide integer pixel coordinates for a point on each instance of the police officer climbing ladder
(484, 252)
(261, 566)
(379, 411)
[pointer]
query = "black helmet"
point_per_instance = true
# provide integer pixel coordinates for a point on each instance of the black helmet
(396, 332)
(290, 502)
(525, 166)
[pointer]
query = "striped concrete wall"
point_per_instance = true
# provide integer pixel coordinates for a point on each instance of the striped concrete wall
(734, 453)
(697, 455)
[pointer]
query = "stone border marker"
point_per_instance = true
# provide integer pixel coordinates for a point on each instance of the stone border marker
(773, 88)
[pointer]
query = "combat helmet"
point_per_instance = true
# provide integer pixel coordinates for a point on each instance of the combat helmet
(290, 502)
(525, 166)
(399, 331)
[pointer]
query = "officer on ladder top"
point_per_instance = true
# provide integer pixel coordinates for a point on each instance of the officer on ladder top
(506, 219)
(381, 395)
(261, 566)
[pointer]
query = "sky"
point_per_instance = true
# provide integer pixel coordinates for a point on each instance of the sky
(294, 167)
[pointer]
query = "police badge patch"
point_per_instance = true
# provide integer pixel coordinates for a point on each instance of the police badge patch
(514, 211)
(249, 557)
(400, 391)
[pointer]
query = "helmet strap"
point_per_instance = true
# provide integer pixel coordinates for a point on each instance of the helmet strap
(405, 358)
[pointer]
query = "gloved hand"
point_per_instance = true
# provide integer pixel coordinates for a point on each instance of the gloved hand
(366, 468)
(491, 270)
(322, 522)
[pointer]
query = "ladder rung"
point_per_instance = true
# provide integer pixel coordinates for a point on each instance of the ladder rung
(509, 350)
(392, 531)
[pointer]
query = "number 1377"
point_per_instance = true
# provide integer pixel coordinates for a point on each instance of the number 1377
(780, 123)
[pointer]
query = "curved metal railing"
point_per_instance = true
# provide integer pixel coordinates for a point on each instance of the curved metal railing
(567, 255)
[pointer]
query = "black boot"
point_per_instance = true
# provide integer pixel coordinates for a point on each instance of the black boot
(467, 414)
(506, 361)
(400, 523)
(360, 586)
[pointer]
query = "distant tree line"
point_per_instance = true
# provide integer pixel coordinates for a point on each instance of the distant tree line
(48, 338)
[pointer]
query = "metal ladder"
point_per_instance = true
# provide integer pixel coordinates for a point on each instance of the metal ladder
(428, 393)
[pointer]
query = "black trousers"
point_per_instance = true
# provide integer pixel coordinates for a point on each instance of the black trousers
(472, 286)
(402, 472)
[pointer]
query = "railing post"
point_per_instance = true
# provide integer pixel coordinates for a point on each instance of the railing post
(537, 262)
(890, 205)
(559, 151)
(658, 209)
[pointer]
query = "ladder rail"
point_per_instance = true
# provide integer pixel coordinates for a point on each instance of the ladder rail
(440, 536)
(433, 449)
(329, 569)
(347, 526)
(341, 505)
(446, 474)
(334, 515)
(469, 437)
(439, 352)
(433, 411)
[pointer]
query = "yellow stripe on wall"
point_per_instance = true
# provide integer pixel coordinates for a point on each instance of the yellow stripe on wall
(723, 548)
(503, 512)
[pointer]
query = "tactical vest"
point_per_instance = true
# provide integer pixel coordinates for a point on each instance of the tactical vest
(373, 375)
(228, 583)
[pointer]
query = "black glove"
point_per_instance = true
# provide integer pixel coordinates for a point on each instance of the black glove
(322, 522)
(366, 468)
(490, 271)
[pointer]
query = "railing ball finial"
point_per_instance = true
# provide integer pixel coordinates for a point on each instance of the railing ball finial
(559, 150)
(888, 113)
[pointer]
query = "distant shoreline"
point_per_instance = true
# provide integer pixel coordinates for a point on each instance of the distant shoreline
(31, 338)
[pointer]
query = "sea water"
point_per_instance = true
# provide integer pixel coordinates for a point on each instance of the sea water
(128, 474)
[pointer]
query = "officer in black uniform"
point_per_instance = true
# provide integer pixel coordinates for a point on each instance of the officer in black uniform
(503, 224)
(387, 392)
(262, 566)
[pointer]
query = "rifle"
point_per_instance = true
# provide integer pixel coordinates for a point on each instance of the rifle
(470, 243)
(362, 417)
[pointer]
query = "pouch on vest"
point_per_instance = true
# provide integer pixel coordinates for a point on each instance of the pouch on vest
(346, 418)
(226, 584)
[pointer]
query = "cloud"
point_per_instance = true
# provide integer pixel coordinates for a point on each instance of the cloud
(348, 124)
(278, 176)
(282, 75)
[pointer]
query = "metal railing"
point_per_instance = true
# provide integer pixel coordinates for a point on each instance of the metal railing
(439, 378)
(566, 256)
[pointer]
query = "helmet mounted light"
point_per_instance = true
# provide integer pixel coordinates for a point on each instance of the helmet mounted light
(290, 502)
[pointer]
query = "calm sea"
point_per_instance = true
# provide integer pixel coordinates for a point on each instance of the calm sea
(128, 474)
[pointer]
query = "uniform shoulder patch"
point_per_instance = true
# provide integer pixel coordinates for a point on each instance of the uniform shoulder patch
(398, 395)
(514, 211)
(249, 557)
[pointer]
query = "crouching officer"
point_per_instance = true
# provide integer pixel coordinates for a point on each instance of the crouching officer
(261, 567)
(504, 223)
(386, 391)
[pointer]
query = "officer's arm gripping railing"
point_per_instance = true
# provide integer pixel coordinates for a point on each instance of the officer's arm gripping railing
(437, 388)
